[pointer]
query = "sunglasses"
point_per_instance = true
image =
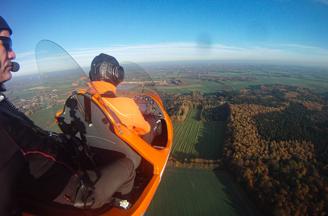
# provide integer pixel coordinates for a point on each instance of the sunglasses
(6, 42)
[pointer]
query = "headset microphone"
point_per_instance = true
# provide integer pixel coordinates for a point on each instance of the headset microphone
(14, 66)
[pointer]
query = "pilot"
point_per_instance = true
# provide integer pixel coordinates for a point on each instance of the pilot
(37, 164)
(27, 153)
(11, 159)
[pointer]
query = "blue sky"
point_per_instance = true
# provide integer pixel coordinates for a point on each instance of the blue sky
(278, 30)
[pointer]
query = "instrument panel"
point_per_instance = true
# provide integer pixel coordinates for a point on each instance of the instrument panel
(148, 106)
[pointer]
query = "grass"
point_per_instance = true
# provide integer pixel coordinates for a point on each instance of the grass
(195, 138)
(194, 85)
(199, 192)
(45, 118)
(314, 81)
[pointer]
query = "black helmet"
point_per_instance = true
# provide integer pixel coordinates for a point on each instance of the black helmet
(4, 25)
(105, 67)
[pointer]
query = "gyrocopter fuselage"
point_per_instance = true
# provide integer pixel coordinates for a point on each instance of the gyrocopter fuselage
(101, 117)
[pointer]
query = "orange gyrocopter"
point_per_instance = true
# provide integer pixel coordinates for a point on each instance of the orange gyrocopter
(109, 131)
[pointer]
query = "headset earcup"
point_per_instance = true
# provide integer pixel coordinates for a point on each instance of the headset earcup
(121, 73)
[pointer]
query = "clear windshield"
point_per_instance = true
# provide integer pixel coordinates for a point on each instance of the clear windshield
(136, 81)
(61, 75)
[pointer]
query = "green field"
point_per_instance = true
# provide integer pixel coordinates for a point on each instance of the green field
(188, 192)
(194, 85)
(302, 77)
(45, 118)
(196, 138)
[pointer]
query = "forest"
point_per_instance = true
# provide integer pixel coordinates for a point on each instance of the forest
(279, 153)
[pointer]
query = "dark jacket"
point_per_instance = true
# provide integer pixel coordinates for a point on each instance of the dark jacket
(31, 160)
(8, 147)
(19, 133)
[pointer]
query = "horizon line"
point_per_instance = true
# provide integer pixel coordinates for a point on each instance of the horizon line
(287, 54)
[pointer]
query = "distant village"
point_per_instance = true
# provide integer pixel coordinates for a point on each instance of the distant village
(44, 99)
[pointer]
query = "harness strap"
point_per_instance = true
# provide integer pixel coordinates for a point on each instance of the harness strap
(87, 111)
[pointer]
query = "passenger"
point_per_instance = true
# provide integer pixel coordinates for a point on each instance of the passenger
(37, 164)
(106, 74)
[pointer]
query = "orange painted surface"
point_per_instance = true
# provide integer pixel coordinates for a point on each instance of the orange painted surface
(129, 114)
(101, 87)
(156, 157)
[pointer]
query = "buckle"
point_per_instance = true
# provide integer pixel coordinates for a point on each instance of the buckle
(84, 197)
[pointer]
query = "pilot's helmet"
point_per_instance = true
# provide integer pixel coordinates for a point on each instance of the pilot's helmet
(106, 68)
(4, 25)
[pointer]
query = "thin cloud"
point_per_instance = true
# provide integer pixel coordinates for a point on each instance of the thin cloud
(28, 54)
(302, 46)
(283, 53)
(325, 2)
